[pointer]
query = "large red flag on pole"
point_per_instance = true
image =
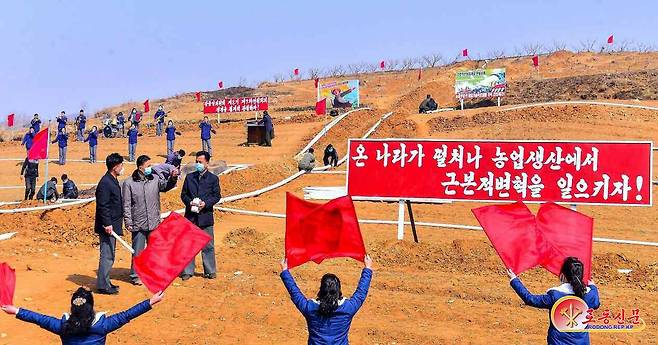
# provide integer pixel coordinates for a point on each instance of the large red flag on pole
(147, 108)
(611, 39)
(39, 149)
(10, 120)
(316, 232)
(7, 284)
(172, 245)
(321, 107)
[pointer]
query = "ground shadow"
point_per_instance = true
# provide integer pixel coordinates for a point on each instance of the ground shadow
(117, 274)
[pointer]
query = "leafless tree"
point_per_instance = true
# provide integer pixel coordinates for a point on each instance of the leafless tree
(496, 54)
(533, 48)
(622, 46)
(431, 60)
(314, 72)
(557, 46)
(336, 71)
(371, 67)
(643, 47)
(408, 63)
(392, 64)
(586, 46)
(354, 69)
(242, 82)
(278, 78)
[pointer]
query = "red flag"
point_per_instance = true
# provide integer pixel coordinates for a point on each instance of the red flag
(296, 71)
(220, 84)
(317, 82)
(39, 149)
(10, 120)
(316, 232)
(382, 64)
(465, 52)
(420, 74)
(7, 284)
(568, 233)
(611, 39)
(198, 96)
(321, 107)
(146, 106)
(512, 232)
(172, 245)
(535, 60)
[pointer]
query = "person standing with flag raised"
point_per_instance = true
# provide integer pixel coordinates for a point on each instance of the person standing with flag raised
(200, 193)
(108, 220)
(141, 204)
(330, 315)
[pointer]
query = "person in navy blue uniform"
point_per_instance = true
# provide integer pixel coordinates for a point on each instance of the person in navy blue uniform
(206, 129)
(92, 138)
(200, 193)
(571, 277)
(36, 123)
(171, 136)
(132, 142)
(83, 326)
(62, 140)
(121, 123)
(269, 129)
(108, 219)
(27, 139)
(81, 124)
(159, 118)
(61, 121)
(328, 317)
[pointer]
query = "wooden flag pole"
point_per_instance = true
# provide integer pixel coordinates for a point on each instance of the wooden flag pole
(123, 243)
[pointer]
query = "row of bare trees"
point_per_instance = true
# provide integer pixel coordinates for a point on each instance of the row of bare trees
(438, 59)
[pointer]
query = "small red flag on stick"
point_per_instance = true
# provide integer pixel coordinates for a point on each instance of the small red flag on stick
(382, 64)
(317, 82)
(611, 39)
(220, 84)
(321, 107)
(420, 73)
(535, 60)
(7, 284)
(10, 120)
(465, 52)
(147, 108)
(296, 71)
(198, 96)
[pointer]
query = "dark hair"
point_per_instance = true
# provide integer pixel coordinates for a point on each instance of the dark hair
(311, 150)
(181, 152)
(429, 96)
(82, 313)
(205, 154)
(329, 294)
(82, 110)
(54, 179)
(113, 160)
(65, 177)
(572, 269)
(142, 159)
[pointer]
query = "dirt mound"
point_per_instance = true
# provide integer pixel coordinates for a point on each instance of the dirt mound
(249, 241)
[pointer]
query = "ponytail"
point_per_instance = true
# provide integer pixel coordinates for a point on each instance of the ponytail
(329, 295)
(572, 269)
(82, 313)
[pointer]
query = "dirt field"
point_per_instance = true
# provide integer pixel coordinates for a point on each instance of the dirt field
(448, 289)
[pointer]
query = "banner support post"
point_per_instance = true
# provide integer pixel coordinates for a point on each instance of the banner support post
(401, 220)
(411, 219)
(461, 102)
(499, 101)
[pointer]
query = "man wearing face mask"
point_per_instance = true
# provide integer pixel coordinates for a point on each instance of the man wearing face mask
(199, 194)
(141, 204)
(109, 219)
(206, 129)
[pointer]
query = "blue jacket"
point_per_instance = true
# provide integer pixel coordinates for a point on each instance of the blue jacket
(82, 121)
(546, 301)
(171, 133)
(27, 140)
(36, 124)
(61, 122)
(160, 116)
(205, 130)
(92, 138)
(101, 327)
(61, 139)
(132, 136)
(332, 330)
(267, 121)
(121, 120)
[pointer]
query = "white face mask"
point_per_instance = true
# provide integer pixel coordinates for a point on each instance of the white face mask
(121, 171)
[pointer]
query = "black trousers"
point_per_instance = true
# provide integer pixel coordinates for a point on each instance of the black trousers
(30, 187)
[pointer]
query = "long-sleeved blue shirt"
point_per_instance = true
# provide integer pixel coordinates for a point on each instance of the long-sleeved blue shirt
(171, 133)
(101, 327)
(132, 136)
(205, 130)
(61, 122)
(27, 140)
(547, 300)
(92, 138)
(159, 116)
(82, 121)
(333, 329)
(36, 124)
(61, 139)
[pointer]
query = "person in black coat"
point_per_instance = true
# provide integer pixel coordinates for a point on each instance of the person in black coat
(109, 218)
(30, 170)
(199, 194)
(330, 156)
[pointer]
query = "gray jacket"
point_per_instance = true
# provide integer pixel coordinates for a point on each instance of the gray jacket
(141, 200)
(307, 162)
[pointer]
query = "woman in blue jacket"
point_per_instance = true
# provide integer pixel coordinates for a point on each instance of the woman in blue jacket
(330, 315)
(571, 276)
(62, 140)
(83, 326)
(171, 136)
(132, 142)
(92, 138)
(27, 139)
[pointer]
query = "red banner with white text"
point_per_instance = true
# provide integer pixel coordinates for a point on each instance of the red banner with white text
(235, 105)
(612, 173)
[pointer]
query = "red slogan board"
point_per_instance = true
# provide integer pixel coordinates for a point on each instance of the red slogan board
(611, 173)
(235, 105)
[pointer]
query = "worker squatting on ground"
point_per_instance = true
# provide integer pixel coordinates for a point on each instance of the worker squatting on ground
(307, 162)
